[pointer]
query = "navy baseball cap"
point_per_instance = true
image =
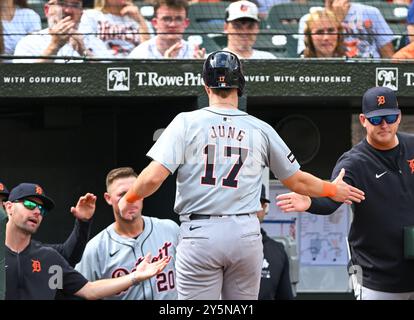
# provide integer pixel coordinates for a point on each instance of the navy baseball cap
(263, 195)
(27, 190)
(3, 190)
(379, 101)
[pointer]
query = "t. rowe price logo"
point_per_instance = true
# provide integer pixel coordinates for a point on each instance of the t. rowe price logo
(387, 77)
(117, 79)
(153, 79)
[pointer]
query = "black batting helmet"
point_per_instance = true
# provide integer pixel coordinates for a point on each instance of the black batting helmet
(223, 70)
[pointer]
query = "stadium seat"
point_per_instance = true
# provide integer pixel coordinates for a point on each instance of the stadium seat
(279, 43)
(38, 7)
(146, 9)
(286, 16)
(274, 41)
(206, 17)
(204, 41)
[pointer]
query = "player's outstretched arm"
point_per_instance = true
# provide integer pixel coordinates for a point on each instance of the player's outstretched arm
(338, 190)
(148, 181)
(108, 287)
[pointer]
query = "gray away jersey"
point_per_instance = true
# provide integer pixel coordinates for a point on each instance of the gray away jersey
(109, 255)
(220, 155)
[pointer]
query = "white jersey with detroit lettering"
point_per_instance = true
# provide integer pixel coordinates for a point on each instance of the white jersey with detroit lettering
(220, 155)
(109, 255)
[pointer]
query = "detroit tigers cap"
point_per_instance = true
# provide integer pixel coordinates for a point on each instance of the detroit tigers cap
(263, 195)
(242, 9)
(3, 190)
(26, 190)
(379, 101)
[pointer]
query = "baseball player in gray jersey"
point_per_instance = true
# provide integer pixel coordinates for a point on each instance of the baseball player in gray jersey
(118, 249)
(220, 153)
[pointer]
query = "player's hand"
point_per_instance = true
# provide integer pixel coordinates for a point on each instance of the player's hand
(199, 53)
(146, 269)
(85, 208)
(293, 202)
(172, 51)
(345, 192)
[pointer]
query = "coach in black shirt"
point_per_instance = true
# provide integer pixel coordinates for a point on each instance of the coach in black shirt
(382, 165)
(35, 271)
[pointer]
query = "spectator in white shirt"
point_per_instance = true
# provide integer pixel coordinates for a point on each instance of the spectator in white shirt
(242, 28)
(170, 21)
(118, 23)
(62, 38)
(17, 20)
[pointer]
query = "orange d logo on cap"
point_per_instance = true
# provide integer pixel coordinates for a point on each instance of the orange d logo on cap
(39, 190)
(1, 187)
(381, 100)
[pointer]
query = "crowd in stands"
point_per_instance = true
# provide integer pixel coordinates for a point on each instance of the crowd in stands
(159, 29)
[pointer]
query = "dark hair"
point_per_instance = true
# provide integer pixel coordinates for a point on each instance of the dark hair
(21, 3)
(310, 51)
(176, 4)
(118, 173)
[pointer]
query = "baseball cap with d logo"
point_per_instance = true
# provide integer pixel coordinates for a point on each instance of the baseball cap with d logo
(379, 101)
(26, 190)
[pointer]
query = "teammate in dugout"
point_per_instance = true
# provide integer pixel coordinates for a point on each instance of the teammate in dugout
(220, 153)
(71, 249)
(381, 237)
(38, 272)
(117, 250)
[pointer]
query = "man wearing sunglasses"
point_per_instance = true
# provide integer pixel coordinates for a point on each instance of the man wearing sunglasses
(383, 166)
(35, 271)
(72, 249)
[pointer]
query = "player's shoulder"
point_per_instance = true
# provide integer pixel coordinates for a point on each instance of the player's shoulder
(354, 157)
(162, 224)
(101, 238)
(260, 124)
(43, 250)
(406, 137)
(364, 8)
(93, 14)
(25, 12)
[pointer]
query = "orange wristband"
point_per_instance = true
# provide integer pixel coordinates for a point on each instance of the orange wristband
(131, 197)
(329, 189)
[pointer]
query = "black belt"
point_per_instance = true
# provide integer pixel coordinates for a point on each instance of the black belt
(195, 216)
